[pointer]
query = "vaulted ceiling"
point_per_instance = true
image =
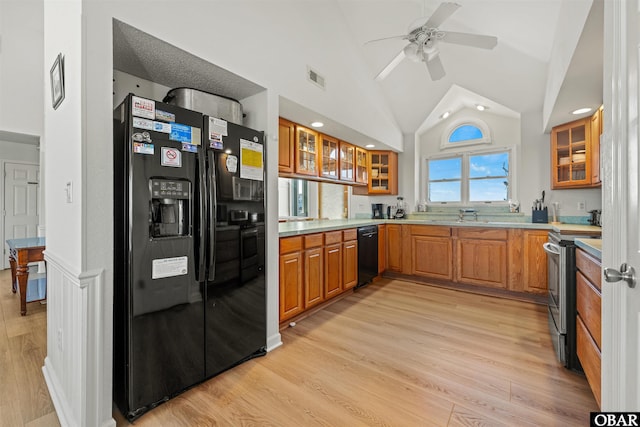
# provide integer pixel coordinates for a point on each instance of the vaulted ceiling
(512, 77)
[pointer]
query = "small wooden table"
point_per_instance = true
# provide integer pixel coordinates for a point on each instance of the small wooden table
(21, 253)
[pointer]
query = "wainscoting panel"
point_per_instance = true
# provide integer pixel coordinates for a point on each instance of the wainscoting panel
(75, 362)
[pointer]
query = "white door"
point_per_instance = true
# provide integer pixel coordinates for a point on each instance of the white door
(21, 208)
(621, 193)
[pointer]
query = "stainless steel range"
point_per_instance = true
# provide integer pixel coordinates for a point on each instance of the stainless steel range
(561, 262)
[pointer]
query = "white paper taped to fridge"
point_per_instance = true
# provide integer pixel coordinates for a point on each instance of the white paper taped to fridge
(169, 267)
(251, 165)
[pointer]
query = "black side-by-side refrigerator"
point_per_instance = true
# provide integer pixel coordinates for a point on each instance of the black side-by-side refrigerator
(189, 281)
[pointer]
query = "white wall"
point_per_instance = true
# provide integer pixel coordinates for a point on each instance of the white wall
(13, 151)
(535, 174)
(505, 133)
(573, 15)
(21, 62)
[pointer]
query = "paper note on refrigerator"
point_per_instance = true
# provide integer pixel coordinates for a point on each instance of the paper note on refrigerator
(251, 165)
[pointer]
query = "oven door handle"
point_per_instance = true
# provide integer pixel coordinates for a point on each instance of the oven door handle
(551, 248)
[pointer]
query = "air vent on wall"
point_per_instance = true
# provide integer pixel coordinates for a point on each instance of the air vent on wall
(316, 78)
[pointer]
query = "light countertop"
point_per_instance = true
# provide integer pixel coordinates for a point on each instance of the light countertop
(296, 228)
(591, 246)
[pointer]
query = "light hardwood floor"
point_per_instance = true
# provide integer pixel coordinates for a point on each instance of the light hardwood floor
(392, 354)
(24, 398)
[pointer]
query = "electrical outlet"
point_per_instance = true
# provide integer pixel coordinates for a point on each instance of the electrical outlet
(69, 190)
(60, 340)
(582, 205)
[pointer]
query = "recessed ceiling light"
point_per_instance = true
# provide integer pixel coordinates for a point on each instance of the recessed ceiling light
(445, 115)
(480, 107)
(228, 151)
(369, 146)
(317, 124)
(581, 110)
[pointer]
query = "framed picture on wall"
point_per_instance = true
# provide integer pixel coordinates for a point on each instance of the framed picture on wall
(57, 81)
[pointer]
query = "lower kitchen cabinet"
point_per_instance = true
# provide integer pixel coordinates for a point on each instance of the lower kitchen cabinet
(394, 247)
(534, 272)
(481, 256)
(588, 324)
(349, 259)
(382, 248)
(431, 252)
(333, 269)
(291, 289)
(313, 270)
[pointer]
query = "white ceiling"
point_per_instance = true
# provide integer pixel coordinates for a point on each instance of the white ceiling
(511, 79)
(513, 75)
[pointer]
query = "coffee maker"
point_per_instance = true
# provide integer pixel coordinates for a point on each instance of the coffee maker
(377, 210)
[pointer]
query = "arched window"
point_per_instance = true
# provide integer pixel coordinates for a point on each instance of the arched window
(466, 132)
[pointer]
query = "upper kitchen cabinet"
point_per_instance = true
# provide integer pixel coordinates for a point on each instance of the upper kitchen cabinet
(347, 161)
(383, 172)
(286, 143)
(361, 165)
(575, 153)
(306, 151)
(330, 148)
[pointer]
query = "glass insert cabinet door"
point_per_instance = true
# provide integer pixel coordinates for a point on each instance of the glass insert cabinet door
(347, 165)
(379, 171)
(330, 153)
(306, 151)
(570, 154)
(361, 165)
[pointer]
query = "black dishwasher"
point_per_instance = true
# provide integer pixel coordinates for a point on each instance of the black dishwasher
(367, 254)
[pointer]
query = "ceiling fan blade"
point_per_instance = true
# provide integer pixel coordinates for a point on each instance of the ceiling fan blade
(441, 14)
(391, 65)
(467, 39)
(386, 38)
(435, 68)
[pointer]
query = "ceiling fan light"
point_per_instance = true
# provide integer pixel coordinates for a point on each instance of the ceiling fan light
(411, 51)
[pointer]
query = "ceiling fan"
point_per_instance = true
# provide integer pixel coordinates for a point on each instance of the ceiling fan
(424, 38)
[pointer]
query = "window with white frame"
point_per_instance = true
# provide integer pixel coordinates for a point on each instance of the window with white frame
(467, 178)
(465, 132)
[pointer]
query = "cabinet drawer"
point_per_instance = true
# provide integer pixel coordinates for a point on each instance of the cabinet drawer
(332, 237)
(351, 234)
(590, 358)
(589, 307)
(590, 267)
(312, 240)
(483, 233)
(290, 244)
(430, 230)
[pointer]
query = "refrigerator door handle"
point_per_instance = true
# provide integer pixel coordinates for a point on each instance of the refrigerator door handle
(202, 201)
(213, 206)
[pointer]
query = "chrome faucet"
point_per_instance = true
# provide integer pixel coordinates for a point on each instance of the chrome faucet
(464, 211)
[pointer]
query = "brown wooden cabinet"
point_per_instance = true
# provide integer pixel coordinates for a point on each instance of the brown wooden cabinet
(329, 157)
(596, 131)
(383, 172)
(306, 152)
(347, 162)
(349, 259)
(313, 270)
(535, 277)
(589, 318)
(575, 153)
(431, 252)
(382, 248)
(332, 263)
(290, 283)
(286, 144)
(394, 247)
(481, 256)
(361, 165)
